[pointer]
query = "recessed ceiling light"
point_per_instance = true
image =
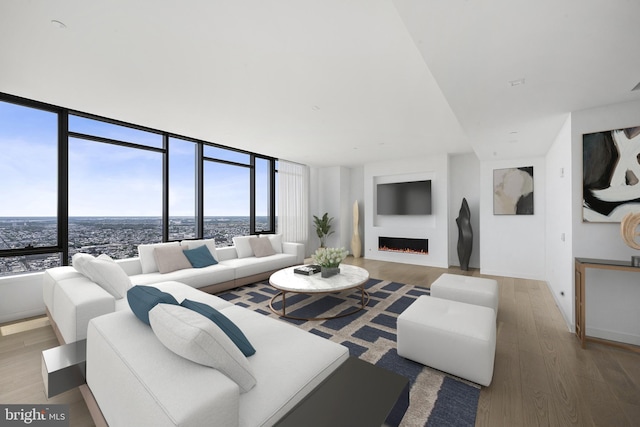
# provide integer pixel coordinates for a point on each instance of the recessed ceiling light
(58, 24)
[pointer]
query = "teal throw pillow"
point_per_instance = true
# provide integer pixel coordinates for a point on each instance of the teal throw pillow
(223, 322)
(200, 257)
(143, 298)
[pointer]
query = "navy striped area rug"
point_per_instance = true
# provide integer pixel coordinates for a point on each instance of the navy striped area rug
(436, 399)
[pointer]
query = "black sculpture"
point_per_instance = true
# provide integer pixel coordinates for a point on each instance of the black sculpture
(465, 235)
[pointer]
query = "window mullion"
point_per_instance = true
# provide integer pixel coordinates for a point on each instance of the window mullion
(63, 185)
(252, 196)
(165, 188)
(199, 183)
(272, 195)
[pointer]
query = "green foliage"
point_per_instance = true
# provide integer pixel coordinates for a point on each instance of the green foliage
(323, 227)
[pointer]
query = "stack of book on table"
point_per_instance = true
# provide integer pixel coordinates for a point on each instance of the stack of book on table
(307, 270)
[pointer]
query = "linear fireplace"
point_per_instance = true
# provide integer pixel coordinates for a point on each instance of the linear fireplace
(404, 245)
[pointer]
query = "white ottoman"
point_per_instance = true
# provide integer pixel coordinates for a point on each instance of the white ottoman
(451, 336)
(472, 290)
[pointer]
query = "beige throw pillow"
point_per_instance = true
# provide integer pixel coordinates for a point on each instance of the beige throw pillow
(261, 247)
(276, 241)
(170, 258)
(147, 257)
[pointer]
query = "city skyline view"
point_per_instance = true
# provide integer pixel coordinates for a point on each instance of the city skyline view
(113, 179)
(117, 237)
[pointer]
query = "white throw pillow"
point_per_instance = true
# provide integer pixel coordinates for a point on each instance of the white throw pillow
(79, 262)
(276, 241)
(194, 337)
(171, 258)
(108, 275)
(211, 245)
(243, 247)
(147, 259)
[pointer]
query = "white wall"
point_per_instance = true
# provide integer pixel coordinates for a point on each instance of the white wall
(345, 220)
(21, 297)
(612, 297)
(331, 193)
(559, 255)
(464, 182)
(513, 245)
(433, 227)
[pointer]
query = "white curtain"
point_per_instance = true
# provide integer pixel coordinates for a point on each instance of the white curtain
(293, 202)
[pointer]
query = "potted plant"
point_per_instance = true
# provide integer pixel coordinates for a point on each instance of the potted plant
(329, 260)
(323, 227)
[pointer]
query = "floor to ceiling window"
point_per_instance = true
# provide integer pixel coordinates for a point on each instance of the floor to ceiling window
(29, 235)
(115, 188)
(226, 200)
(73, 182)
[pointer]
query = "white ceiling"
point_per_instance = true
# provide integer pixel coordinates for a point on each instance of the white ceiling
(329, 82)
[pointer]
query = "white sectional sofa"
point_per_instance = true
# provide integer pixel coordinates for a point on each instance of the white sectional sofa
(72, 299)
(136, 380)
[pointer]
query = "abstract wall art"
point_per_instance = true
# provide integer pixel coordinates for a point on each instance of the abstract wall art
(513, 191)
(610, 174)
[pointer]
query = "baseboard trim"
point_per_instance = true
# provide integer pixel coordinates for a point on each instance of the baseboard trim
(612, 336)
(625, 346)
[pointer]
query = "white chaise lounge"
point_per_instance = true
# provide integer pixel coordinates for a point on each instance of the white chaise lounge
(136, 380)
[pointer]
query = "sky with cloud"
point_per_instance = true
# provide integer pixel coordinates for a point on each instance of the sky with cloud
(107, 179)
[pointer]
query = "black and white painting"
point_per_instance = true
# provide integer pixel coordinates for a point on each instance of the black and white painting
(513, 191)
(610, 174)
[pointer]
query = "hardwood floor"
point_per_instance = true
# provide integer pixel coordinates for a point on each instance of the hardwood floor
(541, 377)
(20, 371)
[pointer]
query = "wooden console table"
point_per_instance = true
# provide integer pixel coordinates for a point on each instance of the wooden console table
(581, 264)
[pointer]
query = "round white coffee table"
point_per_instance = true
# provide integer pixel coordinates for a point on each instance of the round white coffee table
(286, 281)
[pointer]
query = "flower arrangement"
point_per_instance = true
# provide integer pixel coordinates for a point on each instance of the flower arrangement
(329, 257)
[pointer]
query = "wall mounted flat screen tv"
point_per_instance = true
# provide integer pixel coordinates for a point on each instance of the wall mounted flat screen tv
(404, 198)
